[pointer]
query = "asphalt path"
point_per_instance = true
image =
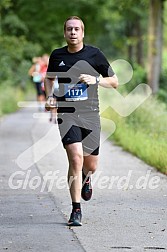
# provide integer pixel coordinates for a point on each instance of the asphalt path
(128, 210)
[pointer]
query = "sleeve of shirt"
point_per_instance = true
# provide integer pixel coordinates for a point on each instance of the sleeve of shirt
(103, 65)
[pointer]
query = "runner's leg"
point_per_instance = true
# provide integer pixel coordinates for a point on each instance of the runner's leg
(90, 164)
(75, 157)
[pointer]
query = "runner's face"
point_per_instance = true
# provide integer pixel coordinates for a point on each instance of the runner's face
(74, 33)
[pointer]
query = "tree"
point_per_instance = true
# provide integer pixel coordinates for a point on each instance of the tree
(134, 19)
(155, 40)
(15, 51)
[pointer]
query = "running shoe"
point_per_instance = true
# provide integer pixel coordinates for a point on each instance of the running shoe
(75, 218)
(86, 191)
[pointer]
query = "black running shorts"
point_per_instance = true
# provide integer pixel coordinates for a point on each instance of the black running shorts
(83, 128)
(39, 88)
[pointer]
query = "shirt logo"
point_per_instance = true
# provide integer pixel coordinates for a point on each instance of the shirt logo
(62, 63)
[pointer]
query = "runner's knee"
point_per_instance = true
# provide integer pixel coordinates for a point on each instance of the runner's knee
(76, 162)
(90, 167)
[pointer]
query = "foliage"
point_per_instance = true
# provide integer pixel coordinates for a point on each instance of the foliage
(37, 27)
(15, 51)
(13, 25)
(8, 98)
(14, 57)
(110, 18)
(11, 95)
(143, 133)
(139, 76)
(165, 24)
(162, 95)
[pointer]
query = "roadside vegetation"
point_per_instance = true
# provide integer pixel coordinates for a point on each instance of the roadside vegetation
(10, 96)
(143, 132)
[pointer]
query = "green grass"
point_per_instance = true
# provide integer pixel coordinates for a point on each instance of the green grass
(143, 133)
(10, 95)
(8, 99)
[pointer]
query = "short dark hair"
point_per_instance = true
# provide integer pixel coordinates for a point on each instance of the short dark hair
(74, 17)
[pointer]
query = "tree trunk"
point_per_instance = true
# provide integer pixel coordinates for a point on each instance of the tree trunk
(155, 43)
(130, 47)
(139, 45)
(135, 45)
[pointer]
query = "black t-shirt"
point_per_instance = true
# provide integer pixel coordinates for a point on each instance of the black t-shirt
(68, 67)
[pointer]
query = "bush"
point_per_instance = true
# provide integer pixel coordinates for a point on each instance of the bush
(143, 133)
(15, 60)
(9, 96)
(162, 95)
(139, 76)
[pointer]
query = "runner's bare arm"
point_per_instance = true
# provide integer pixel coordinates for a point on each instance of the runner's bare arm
(31, 70)
(49, 82)
(107, 82)
(51, 101)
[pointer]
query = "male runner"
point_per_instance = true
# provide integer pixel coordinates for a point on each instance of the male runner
(83, 69)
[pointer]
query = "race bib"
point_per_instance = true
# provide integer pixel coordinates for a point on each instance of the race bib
(75, 92)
